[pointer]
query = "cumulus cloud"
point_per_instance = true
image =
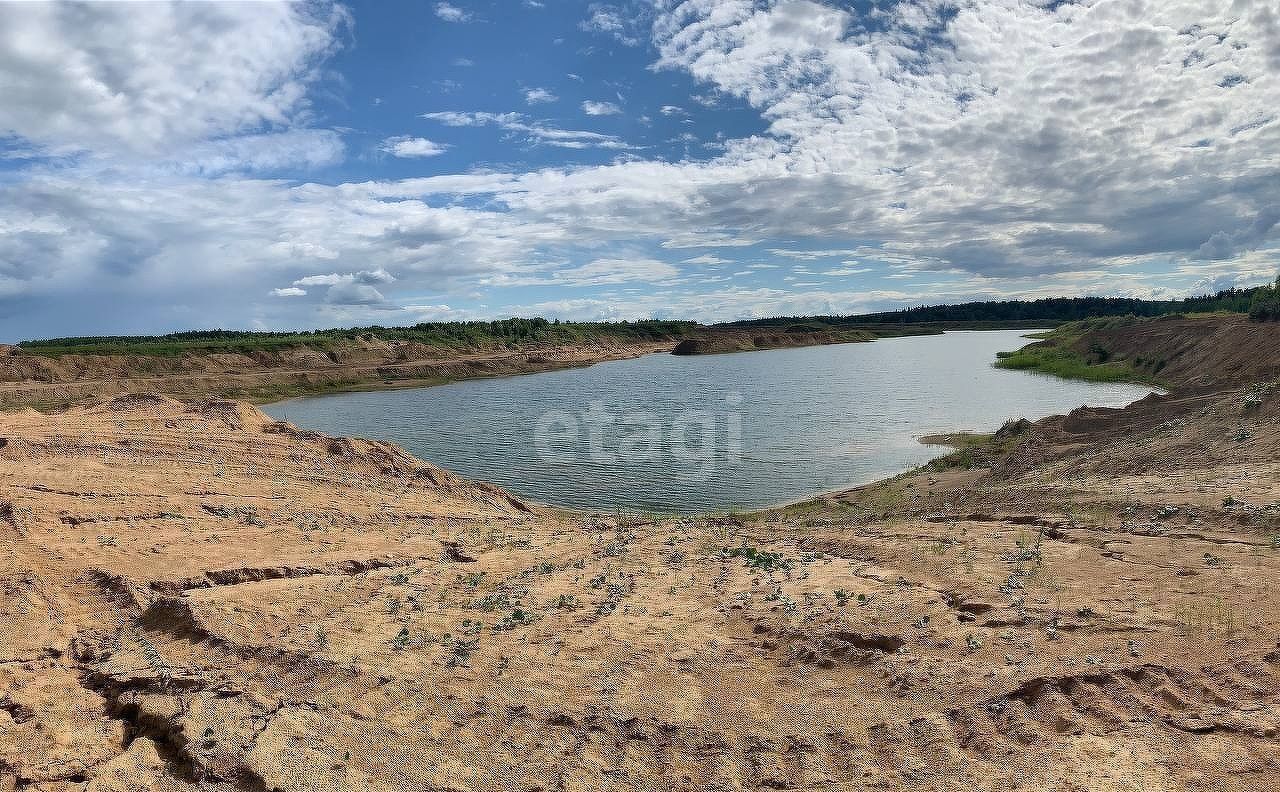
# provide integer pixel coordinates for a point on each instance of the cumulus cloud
(125, 77)
(1086, 157)
(351, 288)
(412, 147)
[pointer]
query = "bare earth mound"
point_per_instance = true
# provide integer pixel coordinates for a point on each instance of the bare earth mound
(195, 596)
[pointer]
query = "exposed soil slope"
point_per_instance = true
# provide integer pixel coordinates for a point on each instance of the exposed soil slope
(34, 380)
(196, 597)
(1185, 353)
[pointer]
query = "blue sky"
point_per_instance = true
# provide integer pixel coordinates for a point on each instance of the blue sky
(559, 66)
(276, 166)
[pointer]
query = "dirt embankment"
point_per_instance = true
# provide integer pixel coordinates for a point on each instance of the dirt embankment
(724, 340)
(1189, 354)
(28, 379)
(33, 380)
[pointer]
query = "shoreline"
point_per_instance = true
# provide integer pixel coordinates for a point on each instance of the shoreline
(374, 386)
(79, 379)
(953, 440)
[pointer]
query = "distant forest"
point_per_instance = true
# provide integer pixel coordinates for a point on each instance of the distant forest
(1263, 302)
(502, 332)
(1052, 309)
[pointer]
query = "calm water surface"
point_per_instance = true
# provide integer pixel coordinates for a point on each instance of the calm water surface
(714, 432)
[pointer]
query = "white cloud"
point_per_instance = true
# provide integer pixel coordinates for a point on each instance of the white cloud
(353, 288)
(603, 19)
(626, 22)
(812, 255)
(451, 13)
(535, 132)
(366, 277)
(844, 272)
(1088, 156)
(294, 149)
(600, 108)
(412, 147)
(617, 270)
(439, 313)
(990, 149)
(125, 78)
(539, 96)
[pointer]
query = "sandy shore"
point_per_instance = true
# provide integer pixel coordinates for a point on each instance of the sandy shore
(198, 597)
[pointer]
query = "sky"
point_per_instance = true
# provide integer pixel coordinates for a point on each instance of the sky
(291, 166)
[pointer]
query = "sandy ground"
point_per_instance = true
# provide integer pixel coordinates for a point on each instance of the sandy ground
(195, 596)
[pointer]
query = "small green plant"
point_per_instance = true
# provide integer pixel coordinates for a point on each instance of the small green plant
(566, 602)
(517, 618)
(498, 600)
(766, 560)
(460, 652)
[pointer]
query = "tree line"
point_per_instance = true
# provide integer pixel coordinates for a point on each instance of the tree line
(1050, 309)
(456, 334)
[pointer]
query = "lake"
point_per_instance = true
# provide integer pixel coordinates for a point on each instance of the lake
(714, 432)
